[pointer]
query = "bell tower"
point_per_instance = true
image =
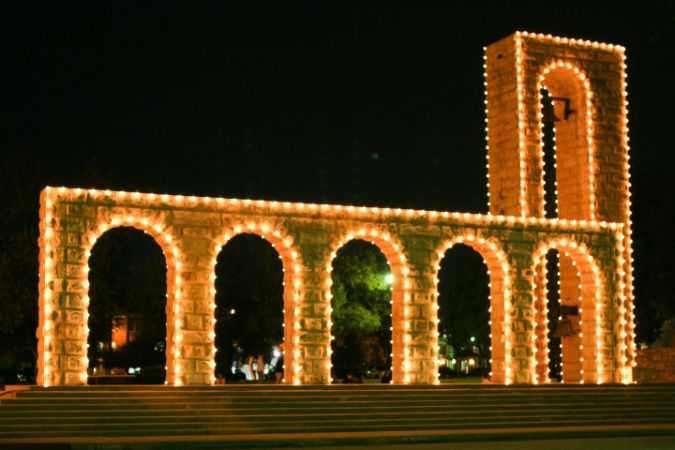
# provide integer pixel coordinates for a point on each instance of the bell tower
(585, 83)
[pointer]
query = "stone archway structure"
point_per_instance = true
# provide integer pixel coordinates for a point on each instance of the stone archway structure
(512, 240)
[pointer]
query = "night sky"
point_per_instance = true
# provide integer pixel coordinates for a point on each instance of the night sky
(363, 105)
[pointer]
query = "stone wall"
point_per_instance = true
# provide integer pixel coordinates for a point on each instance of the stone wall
(655, 365)
(592, 233)
(192, 230)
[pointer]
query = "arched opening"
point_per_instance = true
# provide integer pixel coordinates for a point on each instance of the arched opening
(566, 141)
(249, 314)
(127, 309)
(361, 303)
(567, 316)
(497, 280)
(463, 316)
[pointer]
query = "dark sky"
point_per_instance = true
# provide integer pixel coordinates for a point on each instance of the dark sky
(378, 105)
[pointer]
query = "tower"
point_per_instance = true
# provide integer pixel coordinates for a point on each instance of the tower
(587, 82)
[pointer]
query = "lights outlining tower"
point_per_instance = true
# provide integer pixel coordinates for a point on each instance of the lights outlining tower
(593, 228)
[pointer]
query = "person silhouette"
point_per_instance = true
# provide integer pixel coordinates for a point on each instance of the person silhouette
(279, 366)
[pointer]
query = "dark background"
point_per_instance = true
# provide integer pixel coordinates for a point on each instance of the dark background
(376, 105)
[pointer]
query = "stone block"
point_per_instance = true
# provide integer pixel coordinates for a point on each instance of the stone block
(313, 232)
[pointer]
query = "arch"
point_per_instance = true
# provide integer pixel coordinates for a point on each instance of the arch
(463, 298)
(590, 291)
(569, 295)
(362, 276)
(253, 315)
(292, 269)
(500, 301)
(393, 252)
(165, 241)
(137, 284)
(574, 141)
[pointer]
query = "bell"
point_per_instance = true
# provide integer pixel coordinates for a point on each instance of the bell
(548, 113)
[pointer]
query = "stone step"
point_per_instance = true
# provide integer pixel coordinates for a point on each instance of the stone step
(351, 388)
(264, 394)
(70, 412)
(286, 394)
(267, 397)
(27, 411)
(304, 417)
(161, 429)
(145, 407)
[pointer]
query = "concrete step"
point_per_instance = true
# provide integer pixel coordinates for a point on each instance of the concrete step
(16, 412)
(307, 428)
(148, 412)
(167, 415)
(303, 395)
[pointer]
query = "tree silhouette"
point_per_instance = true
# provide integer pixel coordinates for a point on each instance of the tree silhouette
(361, 309)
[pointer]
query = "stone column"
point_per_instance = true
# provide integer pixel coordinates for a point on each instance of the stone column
(614, 350)
(310, 360)
(62, 332)
(522, 366)
(422, 329)
(191, 330)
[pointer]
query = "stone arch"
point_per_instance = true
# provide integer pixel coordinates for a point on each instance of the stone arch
(292, 282)
(500, 301)
(575, 148)
(166, 242)
(392, 249)
(591, 293)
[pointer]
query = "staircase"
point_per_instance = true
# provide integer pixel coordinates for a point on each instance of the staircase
(269, 416)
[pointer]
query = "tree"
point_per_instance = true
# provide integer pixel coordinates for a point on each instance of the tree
(361, 309)
(666, 335)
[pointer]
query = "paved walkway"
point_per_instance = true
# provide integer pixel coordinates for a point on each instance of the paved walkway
(628, 443)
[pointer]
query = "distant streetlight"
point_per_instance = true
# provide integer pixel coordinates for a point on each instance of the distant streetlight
(473, 339)
(389, 278)
(232, 312)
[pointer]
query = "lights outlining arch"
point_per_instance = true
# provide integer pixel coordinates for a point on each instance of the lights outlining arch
(541, 321)
(292, 284)
(591, 290)
(520, 39)
(570, 71)
(392, 249)
(500, 302)
(167, 243)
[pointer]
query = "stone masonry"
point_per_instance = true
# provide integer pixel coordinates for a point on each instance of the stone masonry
(592, 234)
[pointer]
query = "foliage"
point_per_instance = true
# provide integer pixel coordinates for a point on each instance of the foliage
(361, 309)
(666, 335)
